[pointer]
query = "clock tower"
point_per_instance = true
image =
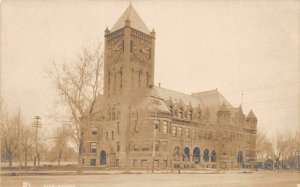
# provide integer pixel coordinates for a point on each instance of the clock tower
(129, 56)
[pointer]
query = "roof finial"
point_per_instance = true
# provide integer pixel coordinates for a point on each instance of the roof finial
(242, 98)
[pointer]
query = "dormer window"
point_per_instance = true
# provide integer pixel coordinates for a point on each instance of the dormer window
(180, 115)
(190, 115)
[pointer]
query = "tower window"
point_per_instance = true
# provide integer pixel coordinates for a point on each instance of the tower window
(131, 46)
(93, 147)
(112, 135)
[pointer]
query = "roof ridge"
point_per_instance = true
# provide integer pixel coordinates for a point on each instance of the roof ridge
(173, 90)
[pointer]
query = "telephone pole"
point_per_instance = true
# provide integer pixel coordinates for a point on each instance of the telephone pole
(37, 124)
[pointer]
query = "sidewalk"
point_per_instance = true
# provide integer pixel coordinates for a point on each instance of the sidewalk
(114, 172)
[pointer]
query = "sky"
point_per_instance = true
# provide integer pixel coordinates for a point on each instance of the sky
(239, 47)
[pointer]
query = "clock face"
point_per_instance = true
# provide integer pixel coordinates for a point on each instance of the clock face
(115, 50)
(141, 50)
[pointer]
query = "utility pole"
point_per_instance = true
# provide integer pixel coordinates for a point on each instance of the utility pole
(37, 124)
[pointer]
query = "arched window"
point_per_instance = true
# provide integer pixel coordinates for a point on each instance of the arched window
(196, 155)
(186, 153)
(213, 156)
(206, 155)
(240, 157)
(102, 157)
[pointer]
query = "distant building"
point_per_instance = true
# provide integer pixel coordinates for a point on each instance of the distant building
(139, 125)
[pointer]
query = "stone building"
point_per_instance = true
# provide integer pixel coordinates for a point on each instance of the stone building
(139, 125)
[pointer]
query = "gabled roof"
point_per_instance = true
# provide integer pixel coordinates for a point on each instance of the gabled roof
(251, 115)
(135, 21)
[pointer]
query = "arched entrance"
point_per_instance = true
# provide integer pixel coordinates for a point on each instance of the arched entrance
(240, 157)
(196, 153)
(213, 156)
(102, 157)
(206, 155)
(186, 154)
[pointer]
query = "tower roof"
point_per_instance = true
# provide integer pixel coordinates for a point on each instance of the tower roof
(251, 115)
(135, 21)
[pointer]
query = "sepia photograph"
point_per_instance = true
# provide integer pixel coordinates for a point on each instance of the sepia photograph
(172, 93)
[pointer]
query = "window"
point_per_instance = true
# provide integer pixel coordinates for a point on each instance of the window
(180, 113)
(157, 146)
(134, 162)
(187, 133)
(106, 134)
(166, 163)
(165, 128)
(93, 147)
(145, 147)
(118, 127)
(193, 133)
(118, 146)
(179, 131)
(136, 148)
(164, 145)
(94, 131)
(131, 46)
(117, 162)
(93, 162)
(156, 124)
(143, 163)
(112, 135)
(173, 131)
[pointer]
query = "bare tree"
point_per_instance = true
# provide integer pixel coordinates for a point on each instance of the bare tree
(78, 84)
(264, 146)
(62, 136)
(223, 138)
(282, 140)
(26, 141)
(10, 135)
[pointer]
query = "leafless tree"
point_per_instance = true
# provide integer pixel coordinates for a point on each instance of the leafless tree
(223, 138)
(264, 146)
(26, 141)
(62, 136)
(281, 145)
(78, 84)
(10, 135)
